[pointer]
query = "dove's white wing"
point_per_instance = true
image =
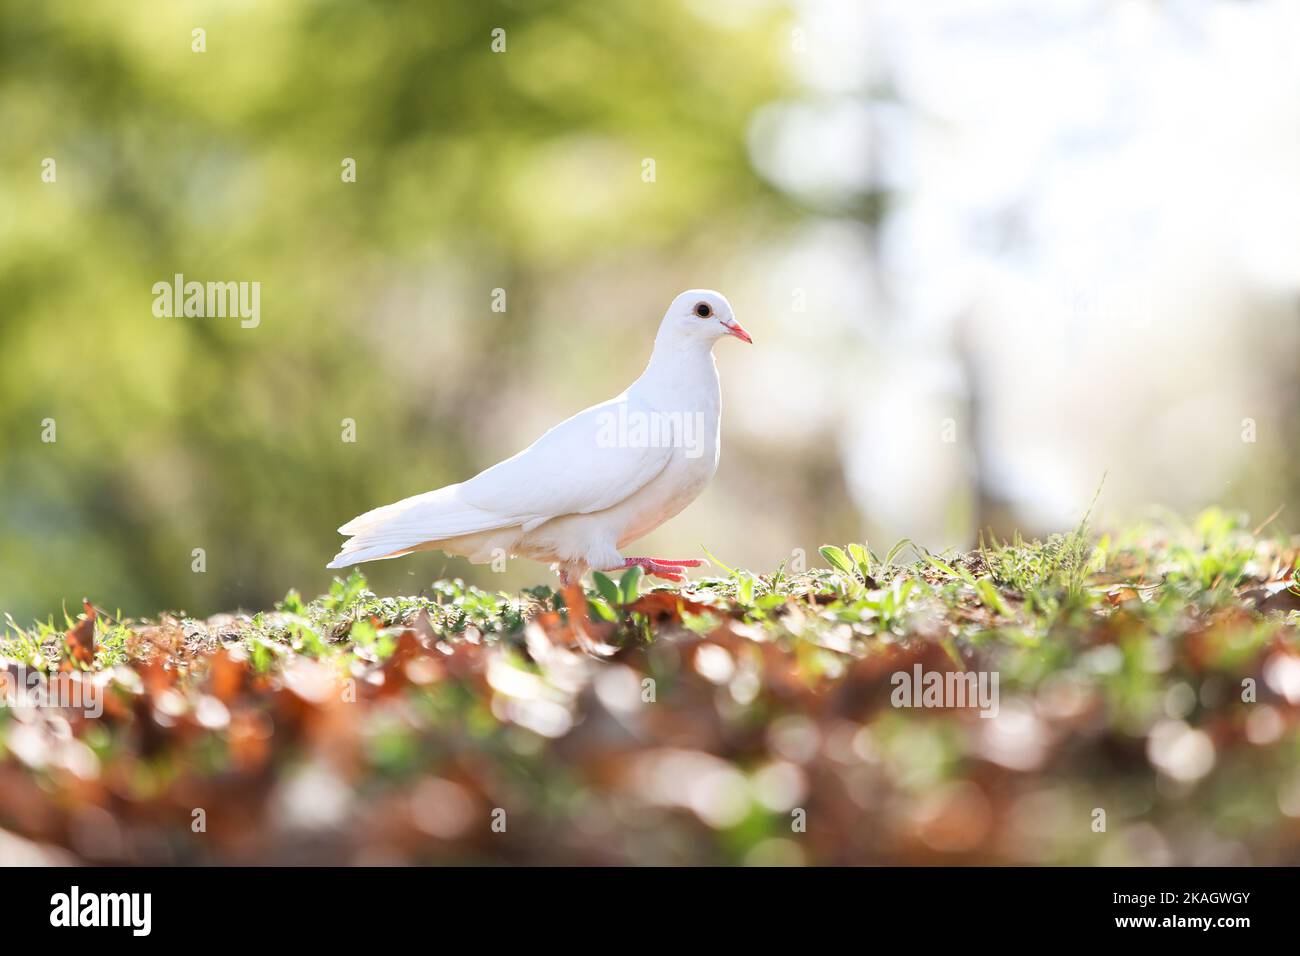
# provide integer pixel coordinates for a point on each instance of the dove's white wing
(584, 464)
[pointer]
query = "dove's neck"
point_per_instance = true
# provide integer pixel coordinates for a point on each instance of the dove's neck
(680, 370)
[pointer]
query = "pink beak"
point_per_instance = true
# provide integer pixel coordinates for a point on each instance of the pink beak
(738, 330)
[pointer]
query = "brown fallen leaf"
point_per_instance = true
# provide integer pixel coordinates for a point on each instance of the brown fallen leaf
(225, 676)
(661, 605)
(80, 639)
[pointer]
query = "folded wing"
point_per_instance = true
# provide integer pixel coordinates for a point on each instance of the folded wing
(585, 464)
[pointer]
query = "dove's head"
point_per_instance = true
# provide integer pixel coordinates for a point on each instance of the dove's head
(702, 314)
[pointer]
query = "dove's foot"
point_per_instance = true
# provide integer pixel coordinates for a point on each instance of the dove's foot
(662, 567)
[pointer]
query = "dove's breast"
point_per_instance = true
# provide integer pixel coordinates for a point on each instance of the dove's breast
(691, 437)
(693, 459)
(689, 470)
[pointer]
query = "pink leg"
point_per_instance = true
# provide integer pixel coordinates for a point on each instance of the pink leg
(662, 567)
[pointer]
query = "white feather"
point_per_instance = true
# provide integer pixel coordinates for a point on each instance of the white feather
(582, 490)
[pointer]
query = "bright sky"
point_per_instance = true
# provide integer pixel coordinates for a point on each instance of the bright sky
(1103, 194)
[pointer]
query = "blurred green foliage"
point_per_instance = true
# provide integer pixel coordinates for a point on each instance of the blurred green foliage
(475, 170)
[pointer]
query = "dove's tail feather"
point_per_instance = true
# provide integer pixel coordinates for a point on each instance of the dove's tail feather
(413, 524)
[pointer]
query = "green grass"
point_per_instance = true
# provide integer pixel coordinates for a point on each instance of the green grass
(1149, 673)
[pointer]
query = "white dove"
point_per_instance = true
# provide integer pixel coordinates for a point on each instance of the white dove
(592, 484)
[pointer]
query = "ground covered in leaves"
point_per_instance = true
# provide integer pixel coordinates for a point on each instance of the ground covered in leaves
(1148, 699)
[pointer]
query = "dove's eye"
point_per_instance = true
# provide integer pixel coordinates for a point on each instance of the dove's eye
(703, 310)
